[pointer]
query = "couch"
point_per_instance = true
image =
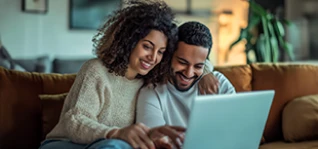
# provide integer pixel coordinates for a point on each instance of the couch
(25, 119)
(42, 64)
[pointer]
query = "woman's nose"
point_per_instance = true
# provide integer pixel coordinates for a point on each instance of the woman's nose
(153, 56)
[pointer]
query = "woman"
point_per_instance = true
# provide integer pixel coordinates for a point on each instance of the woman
(99, 109)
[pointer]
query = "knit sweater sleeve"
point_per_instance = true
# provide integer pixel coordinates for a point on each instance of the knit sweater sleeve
(83, 104)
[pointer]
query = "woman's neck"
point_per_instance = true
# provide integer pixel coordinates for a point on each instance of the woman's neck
(130, 74)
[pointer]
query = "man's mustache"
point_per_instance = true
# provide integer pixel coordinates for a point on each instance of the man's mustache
(180, 73)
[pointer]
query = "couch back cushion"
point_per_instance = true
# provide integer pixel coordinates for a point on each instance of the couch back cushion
(20, 106)
(289, 82)
(57, 83)
(54, 86)
(64, 66)
(239, 76)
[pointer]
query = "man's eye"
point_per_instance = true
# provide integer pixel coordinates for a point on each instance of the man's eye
(161, 52)
(199, 67)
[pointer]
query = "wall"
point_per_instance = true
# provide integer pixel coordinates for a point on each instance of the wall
(303, 32)
(29, 35)
(226, 29)
(221, 40)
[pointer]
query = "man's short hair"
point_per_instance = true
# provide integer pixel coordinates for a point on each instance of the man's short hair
(195, 33)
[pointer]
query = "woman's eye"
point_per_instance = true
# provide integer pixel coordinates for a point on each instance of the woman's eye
(182, 63)
(146, 47)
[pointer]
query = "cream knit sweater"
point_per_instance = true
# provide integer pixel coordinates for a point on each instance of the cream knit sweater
(98, 102)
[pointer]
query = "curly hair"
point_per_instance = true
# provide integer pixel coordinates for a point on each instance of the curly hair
(117, 38)
(195, 33)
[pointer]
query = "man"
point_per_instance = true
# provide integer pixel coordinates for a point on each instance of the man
(169, 104)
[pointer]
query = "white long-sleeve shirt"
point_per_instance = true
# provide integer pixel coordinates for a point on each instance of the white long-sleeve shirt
(165, 105)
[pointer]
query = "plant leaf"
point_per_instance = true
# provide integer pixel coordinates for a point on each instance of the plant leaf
(290, 50)
(279, 28)
(287, 47)
(267, 40)
(258, 9)
(260, 48)
(255, 20)
(243, 35)
(273, 42)
(275, 49)
(288, 23)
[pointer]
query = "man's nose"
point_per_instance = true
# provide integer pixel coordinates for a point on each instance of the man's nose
(189, 72)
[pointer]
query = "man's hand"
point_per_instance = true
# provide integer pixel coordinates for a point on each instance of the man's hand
(167, 136)
(136, 135)
(208, 84)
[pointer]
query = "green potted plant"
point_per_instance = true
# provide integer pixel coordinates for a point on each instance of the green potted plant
(264, 36)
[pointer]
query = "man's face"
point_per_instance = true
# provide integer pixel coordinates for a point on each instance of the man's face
(187, 65)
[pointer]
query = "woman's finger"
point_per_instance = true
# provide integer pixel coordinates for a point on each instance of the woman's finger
(133, 143)
(174, 135)
(143, 127)
(143, 136)
(156, 134)
(140, 143)
(178, 128)
(147, 141)
(164, 142)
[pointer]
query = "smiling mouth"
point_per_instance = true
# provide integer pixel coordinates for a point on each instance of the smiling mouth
(145, 64)
(183, 78)
(184, 81)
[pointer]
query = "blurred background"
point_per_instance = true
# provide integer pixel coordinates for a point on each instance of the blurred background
(59, 32)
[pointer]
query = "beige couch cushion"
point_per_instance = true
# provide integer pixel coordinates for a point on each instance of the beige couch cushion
(284, 145)
(300, 119)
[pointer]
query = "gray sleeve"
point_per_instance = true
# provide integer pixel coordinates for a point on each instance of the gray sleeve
(225, 86)
(149, 110)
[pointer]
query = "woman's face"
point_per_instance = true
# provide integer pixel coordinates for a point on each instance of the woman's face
(147, 54)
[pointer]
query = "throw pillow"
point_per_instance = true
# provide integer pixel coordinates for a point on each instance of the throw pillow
(300, 119)
(4, 54)
(51, 108)
(6, 58)
(5, 63)
(18, 67)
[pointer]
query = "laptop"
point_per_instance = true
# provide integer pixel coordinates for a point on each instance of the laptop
(229, 121)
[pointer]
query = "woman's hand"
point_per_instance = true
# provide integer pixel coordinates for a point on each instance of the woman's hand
(167, 137)
(208, 84)
(136, 135)
(164, 143)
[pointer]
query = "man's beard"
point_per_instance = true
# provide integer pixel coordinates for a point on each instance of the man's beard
(175, 83)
